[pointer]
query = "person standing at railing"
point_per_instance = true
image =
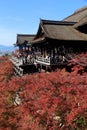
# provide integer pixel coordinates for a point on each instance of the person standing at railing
(24, 55)
(29, 55)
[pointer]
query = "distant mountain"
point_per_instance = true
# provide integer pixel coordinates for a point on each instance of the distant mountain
(6, 49)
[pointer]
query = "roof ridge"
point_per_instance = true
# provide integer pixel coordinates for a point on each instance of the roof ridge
(76, 12)
(80, 10)
(25, 34)
(56, 22)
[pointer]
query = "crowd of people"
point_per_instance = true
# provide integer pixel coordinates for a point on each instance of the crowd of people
(28, 55)
(25, 54)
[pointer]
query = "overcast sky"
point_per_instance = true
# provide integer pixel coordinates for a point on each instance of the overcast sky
(23, 16)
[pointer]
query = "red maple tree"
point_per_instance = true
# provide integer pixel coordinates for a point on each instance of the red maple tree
(43, 101)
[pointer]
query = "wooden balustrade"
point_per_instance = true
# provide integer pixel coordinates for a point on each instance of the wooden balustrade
(50, 60)
(22, 61)
(18, 63)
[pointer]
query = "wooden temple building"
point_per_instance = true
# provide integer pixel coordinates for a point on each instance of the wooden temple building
(54, 44)
(21, 64)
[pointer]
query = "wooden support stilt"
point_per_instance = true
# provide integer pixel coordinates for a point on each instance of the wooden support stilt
(18, 71)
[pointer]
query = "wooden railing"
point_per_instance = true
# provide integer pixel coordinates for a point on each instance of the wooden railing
(43, 60)
(50, 60)
(17, 61)
(22, 60)
(39, 60)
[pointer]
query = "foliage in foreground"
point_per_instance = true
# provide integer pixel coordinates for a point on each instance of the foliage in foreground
(49, 101)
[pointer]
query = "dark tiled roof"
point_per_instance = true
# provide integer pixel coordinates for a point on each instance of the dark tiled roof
(77, 15)
(81, 23)
(21, 38)
(62, 31)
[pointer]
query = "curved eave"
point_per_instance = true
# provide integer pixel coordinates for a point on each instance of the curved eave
(39, 40)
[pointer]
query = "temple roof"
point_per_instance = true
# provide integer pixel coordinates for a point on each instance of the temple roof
(66, 29)
(59, 30)
(22, 38)
(77, 15)
(81, 23)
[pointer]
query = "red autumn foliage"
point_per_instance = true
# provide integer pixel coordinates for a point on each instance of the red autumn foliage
(47, 101)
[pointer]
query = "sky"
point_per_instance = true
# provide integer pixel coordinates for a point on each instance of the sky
(23, 16)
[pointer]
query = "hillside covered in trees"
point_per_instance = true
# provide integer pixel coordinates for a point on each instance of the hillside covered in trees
(44, 101)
